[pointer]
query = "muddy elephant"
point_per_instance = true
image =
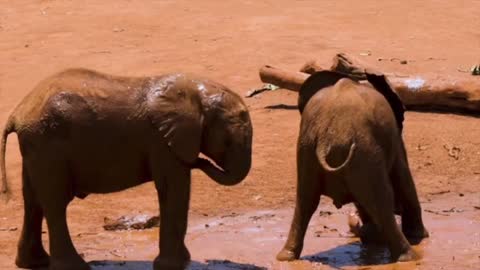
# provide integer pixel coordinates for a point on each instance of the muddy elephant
(350, 149)
(83, 132)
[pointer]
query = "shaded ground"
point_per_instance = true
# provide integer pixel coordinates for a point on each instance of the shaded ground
(228, 41)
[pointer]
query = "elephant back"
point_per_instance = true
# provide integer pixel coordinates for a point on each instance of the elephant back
(316, 82)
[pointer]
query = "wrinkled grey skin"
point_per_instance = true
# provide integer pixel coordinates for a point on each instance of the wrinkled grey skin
(83, 132)
(350, 149)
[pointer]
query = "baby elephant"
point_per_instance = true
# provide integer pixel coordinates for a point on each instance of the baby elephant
(350, 149)
(83, 132)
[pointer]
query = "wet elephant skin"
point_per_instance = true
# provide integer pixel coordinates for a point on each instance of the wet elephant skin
(350, 149)
(82, 132)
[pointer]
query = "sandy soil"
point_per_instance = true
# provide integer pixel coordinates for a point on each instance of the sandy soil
(228, 41)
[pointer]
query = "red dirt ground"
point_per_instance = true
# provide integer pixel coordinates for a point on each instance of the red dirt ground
(228, 41)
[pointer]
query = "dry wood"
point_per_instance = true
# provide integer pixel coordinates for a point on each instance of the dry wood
(342, 64)
(347, 65)
(452, 94)
(439, 93)
(281, 78)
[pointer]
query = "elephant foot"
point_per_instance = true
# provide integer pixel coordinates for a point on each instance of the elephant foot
(32, 258)
(65, 264)
(287, 255)
(170, 264)
(415, 235)
(177, 261)
(408, 256)
(370, 235)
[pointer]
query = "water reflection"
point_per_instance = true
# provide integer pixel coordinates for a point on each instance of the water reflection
(351, 254)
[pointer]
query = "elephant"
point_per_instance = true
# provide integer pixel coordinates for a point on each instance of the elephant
(81, 131)
(350, 149)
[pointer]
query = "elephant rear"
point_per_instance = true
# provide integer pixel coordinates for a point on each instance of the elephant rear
(350, 148)
(346, 114)
(350, 127)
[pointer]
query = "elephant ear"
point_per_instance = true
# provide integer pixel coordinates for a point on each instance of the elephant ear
(316, 82)
(380, 83)
(175, 111)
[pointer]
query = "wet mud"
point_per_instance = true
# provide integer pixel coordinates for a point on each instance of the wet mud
(250, 240)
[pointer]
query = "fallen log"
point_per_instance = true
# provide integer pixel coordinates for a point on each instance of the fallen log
(283, 79)
(347, 65)
(343, 64)
(438, 93)
(422, 93)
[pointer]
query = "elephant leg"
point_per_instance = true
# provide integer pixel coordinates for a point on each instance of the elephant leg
(63, 253)
(308, 198)
(378, 202)
(369, 232)
(174, 197)
(404, 187)
(31, 253)
(50, 181)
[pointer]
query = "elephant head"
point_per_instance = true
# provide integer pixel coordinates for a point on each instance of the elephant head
(227, 134)
(202, 116)
(325, 78)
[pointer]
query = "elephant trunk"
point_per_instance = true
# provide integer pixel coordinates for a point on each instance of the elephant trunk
(232, 170)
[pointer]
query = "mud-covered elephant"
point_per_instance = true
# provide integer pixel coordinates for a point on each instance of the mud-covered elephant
(82, 132)
(350, 149)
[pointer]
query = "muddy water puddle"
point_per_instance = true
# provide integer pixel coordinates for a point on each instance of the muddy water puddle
(250, 240)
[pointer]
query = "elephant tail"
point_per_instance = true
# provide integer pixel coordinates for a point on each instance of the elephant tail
(322, 158)
(9, 128)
